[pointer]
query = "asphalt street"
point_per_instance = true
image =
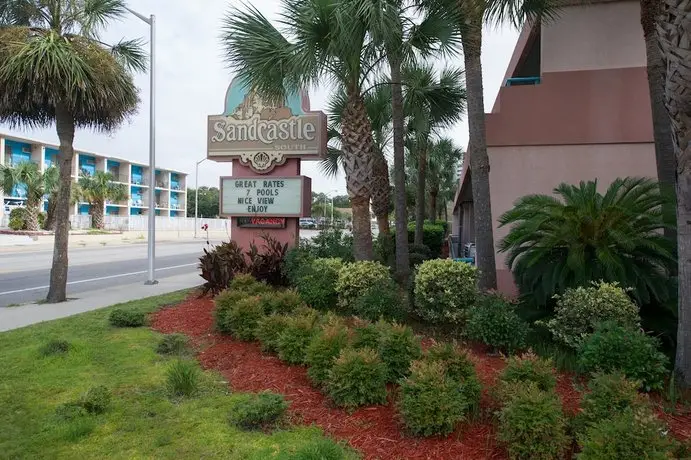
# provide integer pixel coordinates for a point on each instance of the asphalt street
(24, 275)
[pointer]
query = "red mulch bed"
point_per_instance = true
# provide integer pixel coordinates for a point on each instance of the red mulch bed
(375, 431)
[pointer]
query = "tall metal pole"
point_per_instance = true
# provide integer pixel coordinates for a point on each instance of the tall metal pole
(196, 194)
(151, 251)
(332, 211)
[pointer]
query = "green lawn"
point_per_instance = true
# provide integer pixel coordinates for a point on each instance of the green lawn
(143, 421)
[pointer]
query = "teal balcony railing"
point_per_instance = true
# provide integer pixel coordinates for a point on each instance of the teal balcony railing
(522, 81)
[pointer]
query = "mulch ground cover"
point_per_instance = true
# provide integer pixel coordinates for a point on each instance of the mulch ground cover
(376, 431)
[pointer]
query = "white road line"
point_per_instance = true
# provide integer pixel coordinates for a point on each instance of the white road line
(100, 278)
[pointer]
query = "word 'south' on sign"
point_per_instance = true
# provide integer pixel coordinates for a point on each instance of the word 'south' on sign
(266, 196)
(261, 134)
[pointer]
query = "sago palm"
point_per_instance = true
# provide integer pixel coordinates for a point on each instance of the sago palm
(55, 69)
(321, 39)
(35, 183)
(97, 190)
(580, 235)
(674, 33)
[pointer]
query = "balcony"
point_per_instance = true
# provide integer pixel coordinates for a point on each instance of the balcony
(161, 183)
(140, 180)
(162, 204)
(139, 202)
(176, 206)
(522, 81)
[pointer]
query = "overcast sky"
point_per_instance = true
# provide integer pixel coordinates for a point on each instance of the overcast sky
(192, 79)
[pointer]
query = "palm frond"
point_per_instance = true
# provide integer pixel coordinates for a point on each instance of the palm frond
(131, 55)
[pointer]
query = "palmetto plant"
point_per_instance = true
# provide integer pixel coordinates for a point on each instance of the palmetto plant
(327, 39)
(443, 161)
(97, 190)
(35, 183)
(581, 235)
(54, 69)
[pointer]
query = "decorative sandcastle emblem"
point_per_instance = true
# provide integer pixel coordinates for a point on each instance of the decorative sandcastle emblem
(264, 134)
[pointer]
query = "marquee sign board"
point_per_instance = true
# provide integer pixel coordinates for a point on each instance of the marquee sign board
(262, 135)
(266, 196)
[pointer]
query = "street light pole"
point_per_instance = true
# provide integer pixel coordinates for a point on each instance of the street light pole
(196, 194)
(151, 243)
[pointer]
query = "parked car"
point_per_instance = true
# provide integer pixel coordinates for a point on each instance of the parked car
(308, 223)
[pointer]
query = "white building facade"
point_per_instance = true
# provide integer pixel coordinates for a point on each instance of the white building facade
(170, 185)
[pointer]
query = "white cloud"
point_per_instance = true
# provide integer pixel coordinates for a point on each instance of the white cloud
(192, 80)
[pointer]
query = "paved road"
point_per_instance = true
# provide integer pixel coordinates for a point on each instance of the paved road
(24, 275)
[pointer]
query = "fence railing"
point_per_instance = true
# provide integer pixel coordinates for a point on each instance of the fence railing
(141, 223)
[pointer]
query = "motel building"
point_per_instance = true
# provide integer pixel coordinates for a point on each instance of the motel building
(574, 106)
(170, 185)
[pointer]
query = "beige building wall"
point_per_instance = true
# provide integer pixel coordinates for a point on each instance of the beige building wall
(594, 37)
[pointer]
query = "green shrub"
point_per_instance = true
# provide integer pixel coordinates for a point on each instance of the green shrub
(631, 434)
(243, 317)
(269, 329)
(120, 317)
(608, 395)
(431, 401)
(280, 301)
(258, 411)
(460, 368)
(531, 424)
(380, 300)
(54, 347)
(579, 310)
(70, 411)
(332, 242)
(384, 248)
(323, 351)
(172, 344)
(249, 285)
(526, 369)
(613, 347)
(317, 283)
(293, 341)
(295, 261)
(432, 236)
(368, 335)
(183, 378)
(18, 218)
(444, 290)
(224, 302)
(96, 400)
(357, 378)
(398, 347)
(356, 278)
(494, 322)
(420, 249)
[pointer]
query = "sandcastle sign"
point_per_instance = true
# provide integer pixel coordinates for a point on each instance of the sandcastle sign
(262, 135)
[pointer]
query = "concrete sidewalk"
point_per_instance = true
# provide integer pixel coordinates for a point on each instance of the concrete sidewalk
(25, 315)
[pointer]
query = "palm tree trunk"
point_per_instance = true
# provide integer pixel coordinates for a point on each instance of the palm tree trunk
(31, 217)
(50, 214)
(381, 192)
(662, 128)
(58, 273)
(97, 215)
(397, 115)
(433, 194)
(674, 34)
(420, 195)
(357, 163)
(479, 160)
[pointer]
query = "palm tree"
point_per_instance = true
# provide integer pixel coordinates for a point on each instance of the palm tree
(470, 16)
(52, 176)
(97, 190)
(582, 235)
(431, 102)
(443, 161)
(674, 34)
(28, 176)
(329, 40)
(662, 128)
(54, 69)
(378, 105)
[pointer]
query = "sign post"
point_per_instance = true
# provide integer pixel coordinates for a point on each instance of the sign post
(265, 143)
